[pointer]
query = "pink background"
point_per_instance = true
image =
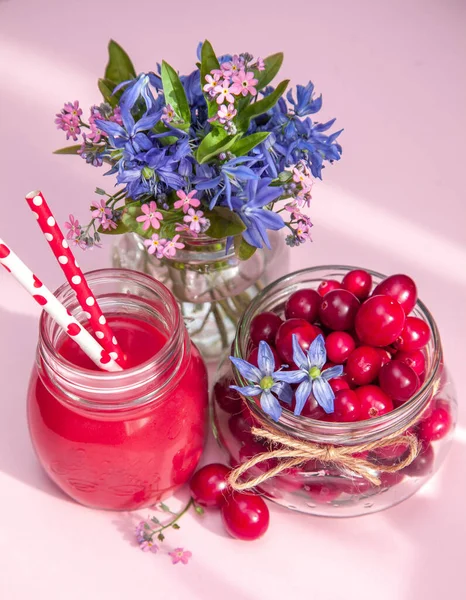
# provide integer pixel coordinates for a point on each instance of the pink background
(393, 73)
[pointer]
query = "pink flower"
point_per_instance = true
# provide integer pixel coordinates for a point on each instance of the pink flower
(302, 177)
(96, 134)
(116, 117)
(95, 114)
(168, 113)
(224, 92)
(148, 546)
(233, 66)
(155, 245)
(226, 113)
(101, 211)
(109, 224)
(196, 220)
(69, 124)
(186, 200)
(74, 228)
(302, 231)
(172, 246)
(212, 82)
(183, 228)
(180, 555)
(72, 108)
(244, 83)
(151, 216)
(260, 64)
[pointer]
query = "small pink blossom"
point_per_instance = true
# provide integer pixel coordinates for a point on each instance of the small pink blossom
(101, 211)
(180, 555)
(225, 93)
(212, 82)
(183, 228)
(72, 108)
(217, 73)
(226, 113)
(95, 114)
(74, 228)
(116, 117)
(172, 246)
(148, 546)
(109, 224)
(305, 179)
(233, 66)
(260, 64)
(155, 245)
(68, 123)
(302, 231)
(196, 220)
(186, 200)
(168, 113)
(151, 216)
(96, 134)
(244, 83)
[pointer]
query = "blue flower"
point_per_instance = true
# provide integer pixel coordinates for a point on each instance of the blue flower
(304, 104)
(131, 133)
(265, 382)
(250, 207)
(310, 376)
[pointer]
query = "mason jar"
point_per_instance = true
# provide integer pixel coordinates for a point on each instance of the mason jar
(324, 488)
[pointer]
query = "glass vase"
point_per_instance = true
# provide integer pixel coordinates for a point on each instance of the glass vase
(212, 286)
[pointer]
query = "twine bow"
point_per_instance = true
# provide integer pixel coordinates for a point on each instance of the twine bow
(295, 452)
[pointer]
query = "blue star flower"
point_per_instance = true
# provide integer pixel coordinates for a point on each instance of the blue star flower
(304, 104)
(310, 376)
(264, 380)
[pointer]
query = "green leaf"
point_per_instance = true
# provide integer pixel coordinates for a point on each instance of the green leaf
(208, 63)
(224, 223)
(119, 67)
(272, 66)
(246, 144)
(199, 510)
(261, 106)
(174, 92)
(106, 88)
(215, 142)
(68, 150)
(175, 526)
(164, 507)
(100, 191)
(243, 250)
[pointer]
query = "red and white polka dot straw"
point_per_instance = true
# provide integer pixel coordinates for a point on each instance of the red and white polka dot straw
(74, 275)
(43, 296)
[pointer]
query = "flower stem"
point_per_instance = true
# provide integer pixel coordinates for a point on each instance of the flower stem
(173, 521)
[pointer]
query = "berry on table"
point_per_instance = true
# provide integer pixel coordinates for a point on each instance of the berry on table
(358, 282)
(303, 304)
(379, 321)
(209, 485)
(401, 288)
(338, 310)
(398, 380)
(264, 326)
(245, 516)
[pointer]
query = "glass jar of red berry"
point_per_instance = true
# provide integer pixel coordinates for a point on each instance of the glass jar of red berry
(121, 440)
(392, 378)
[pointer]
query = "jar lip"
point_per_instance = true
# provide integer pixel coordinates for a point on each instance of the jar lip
(46, 324)
(298, 423)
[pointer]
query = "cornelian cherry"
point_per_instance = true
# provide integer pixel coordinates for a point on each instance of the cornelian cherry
(328, 285)
(373, 402)
(303, 304)
(339, 383)
(415, 335)
(423, 464)
(363, 365)
(398, 380)
(346, 406)
(304, 331)
(401, 288)
(209, 485)
(379, 321)
(414, 359)
(338, 310)
(358, 282)
(264, 326)
(245, 516)
(229, 400)
(339, 346)
(436, 426)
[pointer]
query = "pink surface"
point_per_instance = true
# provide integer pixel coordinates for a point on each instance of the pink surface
(393, 73)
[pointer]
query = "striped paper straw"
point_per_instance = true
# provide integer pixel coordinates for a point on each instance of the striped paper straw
(74, 275)
(43, 296)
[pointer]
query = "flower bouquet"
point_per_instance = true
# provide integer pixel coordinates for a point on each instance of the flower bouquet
(206, 166)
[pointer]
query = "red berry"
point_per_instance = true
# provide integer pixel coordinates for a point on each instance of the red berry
(322, 492)
(338, 310)
(264, 327)
(363, 365)
(251, 448)
(252, 358)
(303, 304)
(339, 346)
(415, 335)
(388, 480)
(436, 426)
(304, 331)
(245, 516)
(373, 402)
(379, 321)
(423, 464)
(240, 428)
(209, 484)
(401, 288)
(385, 356)
(358, 282)
(338, 384)
(414, 359)
(229, 400)
(346, 406)
(390, 455)
(398, 380)
(327, 286)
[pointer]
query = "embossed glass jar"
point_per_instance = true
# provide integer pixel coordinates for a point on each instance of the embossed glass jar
(122, 440)
(326, 489)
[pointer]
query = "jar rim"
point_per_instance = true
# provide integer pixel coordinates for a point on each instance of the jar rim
(118, 379)
(333, 432)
